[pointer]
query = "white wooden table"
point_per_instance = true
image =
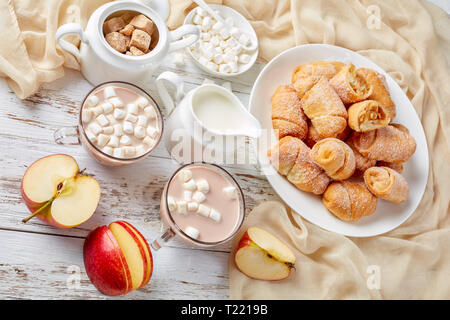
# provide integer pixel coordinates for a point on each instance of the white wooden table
(40, 261)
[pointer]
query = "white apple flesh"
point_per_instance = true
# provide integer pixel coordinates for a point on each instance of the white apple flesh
(262, 256)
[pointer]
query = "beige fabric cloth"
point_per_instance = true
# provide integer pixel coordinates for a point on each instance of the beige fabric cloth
(28, 52)
(412, 43)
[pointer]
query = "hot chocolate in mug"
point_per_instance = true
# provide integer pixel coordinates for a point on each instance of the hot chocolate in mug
(101, 63)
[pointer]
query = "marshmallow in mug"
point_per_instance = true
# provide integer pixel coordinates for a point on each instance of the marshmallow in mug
(217, 49)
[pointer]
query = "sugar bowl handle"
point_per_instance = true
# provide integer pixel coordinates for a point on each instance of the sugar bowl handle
(70, 28)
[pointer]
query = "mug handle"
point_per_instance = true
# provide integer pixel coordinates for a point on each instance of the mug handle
(70, 28)
(67, 136)
(179, 33)
(175, 81)
(162, 239)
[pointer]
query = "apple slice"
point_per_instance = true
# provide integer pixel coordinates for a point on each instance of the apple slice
(148, 253)
(133, 251)
(57, 193)
(261, 256)
(105, 263)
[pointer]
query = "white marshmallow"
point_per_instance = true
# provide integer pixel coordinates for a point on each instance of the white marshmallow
(95, 128)
(125, 140)
(118, 153)
(205, 36)
(92, 100)
(171, 203)
(107, 107)
(108, 130)
(91, 136)
(187, 195)
(224, 33)
(97, 111)
(142, 121)
(182, 207)
(192, 206)
(129, 151)
(206, 24)
(244, 58)
(224, 68)
(102, 140)
(142, 102)
(131, 118)
(133, 108)
(244, 39)
(116, 102)
(201, 12)
(128, 127)
(185, 175)
(237, 49)
(149, 142)
(150, 112)
(199, 197)
(109, 92)
(140, 150)
(203, 185)
(197, 19)
(234, 66)
(118, 130)
(212, 66)
(203, 210)
(139, 132)
(215, 41)
(102, 120)
(217, 27)
(86, 115)
(152, 132)
(235, 32)
(218, 58)
(108, 150)
(207, 52)
(114, 142)
(229, 57)
(190, 185)
(227, 85)
(119, 114)
(230, 193)
(215, 215)
(192, 232)
(111, 119)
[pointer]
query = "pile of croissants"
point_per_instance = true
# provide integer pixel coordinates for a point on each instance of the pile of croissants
(333, 123)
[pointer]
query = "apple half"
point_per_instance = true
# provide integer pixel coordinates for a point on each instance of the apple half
(117, 258)
(261, 256)
(56, 192)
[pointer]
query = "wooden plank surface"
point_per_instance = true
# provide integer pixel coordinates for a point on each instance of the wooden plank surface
(37, 260)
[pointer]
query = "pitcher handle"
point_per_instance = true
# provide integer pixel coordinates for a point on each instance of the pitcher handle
(70, 28)
(180, 33)
(67, 136)
(162, 239)
(176, 82)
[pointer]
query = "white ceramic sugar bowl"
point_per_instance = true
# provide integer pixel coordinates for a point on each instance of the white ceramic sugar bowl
(101, 63)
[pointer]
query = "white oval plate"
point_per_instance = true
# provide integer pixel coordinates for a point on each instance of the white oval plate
(388, 215)
(239, 21)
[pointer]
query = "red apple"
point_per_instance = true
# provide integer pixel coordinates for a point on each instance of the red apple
(121, 265)
(56, 192)
(262, 256)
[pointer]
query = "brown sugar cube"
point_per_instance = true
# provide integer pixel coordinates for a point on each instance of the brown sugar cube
(143, 23)
(140, 39)
(113, 25)
(128, 30)
(118, 41)
(136, 52)
(127, 16)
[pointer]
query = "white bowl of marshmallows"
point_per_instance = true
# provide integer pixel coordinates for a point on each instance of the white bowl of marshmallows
(221, 51)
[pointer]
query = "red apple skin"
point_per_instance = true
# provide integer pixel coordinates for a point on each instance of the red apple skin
(105, 263)
(127, 225)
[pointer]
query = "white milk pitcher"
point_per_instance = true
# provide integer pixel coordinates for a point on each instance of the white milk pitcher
(208, 124)
(101, 63)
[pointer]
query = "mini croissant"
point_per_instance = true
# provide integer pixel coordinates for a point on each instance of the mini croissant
(387, 184)
(350, 86)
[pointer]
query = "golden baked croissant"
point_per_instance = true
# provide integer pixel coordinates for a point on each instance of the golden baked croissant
(326, 111)
(367, 115)
(387, 184)
(380, 91)
(391, 144)
(335, 157)
(361, 163)
(290, 157)
(313, 136)
(349, 201)
(306, 76)
(397, 166)
(350, 86)
(288, 118)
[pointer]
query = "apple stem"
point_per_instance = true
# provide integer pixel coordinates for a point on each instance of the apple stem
(38, 211)
(82, 171)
